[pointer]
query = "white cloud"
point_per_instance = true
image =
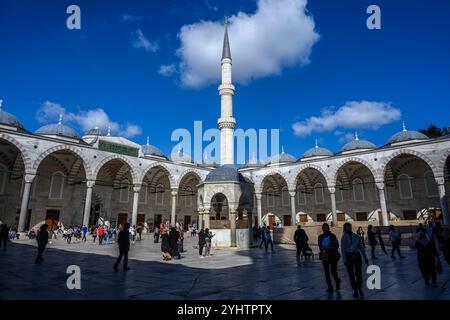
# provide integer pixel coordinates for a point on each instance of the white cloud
(279, 34)
(167, 70)
(85, 119)
(129, 18)
(346, 137)
(209, 6)
(352, 115)
(140, 41)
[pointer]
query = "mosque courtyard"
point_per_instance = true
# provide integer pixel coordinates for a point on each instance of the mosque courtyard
(230, 274)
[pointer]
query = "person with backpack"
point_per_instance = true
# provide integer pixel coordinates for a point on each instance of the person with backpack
(268, 239)
(352, 249)
(395, 238)
(329, 254)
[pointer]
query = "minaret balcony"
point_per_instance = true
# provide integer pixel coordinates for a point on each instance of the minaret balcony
(226, 122)
(225, 88)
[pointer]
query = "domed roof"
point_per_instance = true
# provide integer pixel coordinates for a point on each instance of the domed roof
(252, 163)
(8, 119)
(180, 156)
(58, 129)
(358, 144)
(224, 173)
(282, 158)
(406, 135)
(317, 152)
(95, 132)
(150, 150)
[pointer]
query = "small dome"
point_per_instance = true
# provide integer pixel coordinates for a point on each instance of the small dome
(358, 144)
(252, 163)
(317, 152)
(180, 156)
(225, 173)
(406, 135)
(58, 129)
(150, 150)
(95, 132)
(282, 158)
(8, 119)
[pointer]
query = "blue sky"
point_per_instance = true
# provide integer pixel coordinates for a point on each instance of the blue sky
(130, 61)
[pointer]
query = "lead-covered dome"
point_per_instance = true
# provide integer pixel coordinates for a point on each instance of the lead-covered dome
(149, 150)
(407, 135)
(317, 152)
(358, 144)
(283, 157)
(225, 173)
(252, 163)
(58, 129)
(9, 119)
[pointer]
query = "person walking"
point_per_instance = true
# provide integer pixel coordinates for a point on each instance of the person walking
(69, 235)
(381, 242)
(173, 237)
(208, 241)
(94, 233)
(360, 233)
(84, 231)
(42, 240)
(352, 249)
(124, 246)
(4, 235)
(426, 257)
(301, 241)
(181, 239)
(133, 234)
(101, 234)
(263, 234)
(201, 242)
(395, 238)
(165, 246)
(139, 231)
(268, 239)
(371, 238)
(156, 235)
(329, 254)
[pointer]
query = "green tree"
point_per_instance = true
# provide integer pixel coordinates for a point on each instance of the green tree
(434, 131)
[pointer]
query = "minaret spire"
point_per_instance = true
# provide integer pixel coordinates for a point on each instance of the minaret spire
(226, 121)
(226, 53)
(1, 102)
(404, 126)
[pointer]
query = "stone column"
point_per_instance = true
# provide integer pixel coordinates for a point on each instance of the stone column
(233, 228)
(382, 197)
(200, 218)
(206, 217)
(87, 204)
(174, 194)
(293, 210)
(28, 179)
(136, 191)
(333, 205)
(259, 208)
(443, 199)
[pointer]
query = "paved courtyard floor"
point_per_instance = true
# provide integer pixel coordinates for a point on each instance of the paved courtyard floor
(229, 274)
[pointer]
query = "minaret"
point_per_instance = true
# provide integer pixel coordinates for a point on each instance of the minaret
(226, 121)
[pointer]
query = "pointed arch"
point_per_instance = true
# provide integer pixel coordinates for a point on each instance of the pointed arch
(385, 162)
(335, 173)
(260, 182)
(299, 170)
(172, 181)
(122, 158)
(27, 159)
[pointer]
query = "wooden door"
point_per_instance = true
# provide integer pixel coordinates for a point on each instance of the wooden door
(361, 216)
(271, 220)
(321, 217)
(303, 218)
(140, 219)
(341, 216)
(52, 219)
(286, 220)
(122, 218)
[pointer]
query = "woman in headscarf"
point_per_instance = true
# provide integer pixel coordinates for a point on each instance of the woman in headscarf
(173, 236)
(165, 246)
(426, 256)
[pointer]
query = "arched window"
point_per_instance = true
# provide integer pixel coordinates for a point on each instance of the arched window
(3, 173)
(339, 196)
(56, 185)
(143, 194)
(188, 197)
(159, 195)
(301, 194)
(430, 185)
(124, 191)
(358, 189)
(285, 196)
(270, 197)
(318, 193)
(404, 185)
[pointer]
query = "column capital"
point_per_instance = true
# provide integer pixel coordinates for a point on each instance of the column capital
(137, 188)
(90, 183)
(258, 195)
(174, 192)
(332, 189)
(29, 177)
(440, 181)
(292, 193)
(380, 184)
